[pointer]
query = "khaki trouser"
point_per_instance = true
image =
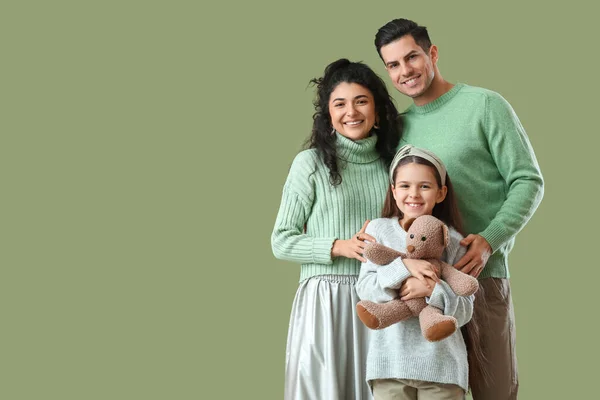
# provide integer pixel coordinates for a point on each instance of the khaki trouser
(408, 389)
(497, 323)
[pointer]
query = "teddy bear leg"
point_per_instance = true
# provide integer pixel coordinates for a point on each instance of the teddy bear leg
(382, 315)
(435, 325)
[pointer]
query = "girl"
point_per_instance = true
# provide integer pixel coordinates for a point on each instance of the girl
(401, 363)
(331, 190)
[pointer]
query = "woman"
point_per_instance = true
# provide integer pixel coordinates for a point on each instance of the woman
(333, 189)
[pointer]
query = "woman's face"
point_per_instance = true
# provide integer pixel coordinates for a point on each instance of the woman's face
(352, 110)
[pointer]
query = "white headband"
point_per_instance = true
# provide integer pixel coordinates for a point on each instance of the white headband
(409, 150)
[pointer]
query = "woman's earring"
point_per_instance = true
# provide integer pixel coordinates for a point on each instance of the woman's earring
(332, 131)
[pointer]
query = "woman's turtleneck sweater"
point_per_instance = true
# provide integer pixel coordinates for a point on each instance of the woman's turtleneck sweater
(313, 213)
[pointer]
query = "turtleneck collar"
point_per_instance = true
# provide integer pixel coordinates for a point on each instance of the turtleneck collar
(437, 103)
(360, 152)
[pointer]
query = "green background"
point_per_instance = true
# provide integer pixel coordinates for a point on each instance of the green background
(143, 149)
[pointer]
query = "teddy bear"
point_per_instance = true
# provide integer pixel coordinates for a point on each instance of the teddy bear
(427, 237)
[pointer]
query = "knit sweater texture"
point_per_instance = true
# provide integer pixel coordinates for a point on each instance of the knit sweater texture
(313, 213)
(490, 162)
(400, 351)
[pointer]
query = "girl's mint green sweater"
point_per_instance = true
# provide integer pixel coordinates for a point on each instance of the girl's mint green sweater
(490, 162)
(313, 213)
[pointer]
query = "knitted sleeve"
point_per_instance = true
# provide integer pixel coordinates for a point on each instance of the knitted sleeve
(380, 283)
(516, 162)
(443, 297)
(288, 240)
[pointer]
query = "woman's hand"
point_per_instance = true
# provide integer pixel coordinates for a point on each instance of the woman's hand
(412, 288)
(421, 270)
(353, 247)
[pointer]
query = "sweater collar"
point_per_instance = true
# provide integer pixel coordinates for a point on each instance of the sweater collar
(360, 152)
(437, 103)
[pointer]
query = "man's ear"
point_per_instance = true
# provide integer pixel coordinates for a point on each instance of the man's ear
(433, 53)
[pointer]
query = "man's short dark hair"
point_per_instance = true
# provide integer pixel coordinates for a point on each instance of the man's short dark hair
(398, 28)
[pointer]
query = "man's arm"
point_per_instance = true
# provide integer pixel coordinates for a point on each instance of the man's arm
(516, 162)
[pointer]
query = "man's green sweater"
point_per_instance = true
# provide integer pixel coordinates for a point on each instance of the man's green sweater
(490, 162)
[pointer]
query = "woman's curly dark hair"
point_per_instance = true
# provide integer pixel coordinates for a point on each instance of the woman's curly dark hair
(322, 139)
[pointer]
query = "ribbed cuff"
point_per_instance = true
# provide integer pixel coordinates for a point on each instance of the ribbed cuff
(437, 297)
(496, 235)
(322, 250)
(392, 275)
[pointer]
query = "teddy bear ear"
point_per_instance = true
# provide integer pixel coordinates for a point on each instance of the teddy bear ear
(446, 235)
(409, 223)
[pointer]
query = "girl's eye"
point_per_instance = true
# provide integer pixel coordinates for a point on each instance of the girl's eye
(412, 236)
(423, 238)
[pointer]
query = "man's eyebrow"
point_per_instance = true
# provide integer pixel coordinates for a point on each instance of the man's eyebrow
(411, 53)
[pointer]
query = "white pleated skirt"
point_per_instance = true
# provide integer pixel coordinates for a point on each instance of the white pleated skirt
(327, 344)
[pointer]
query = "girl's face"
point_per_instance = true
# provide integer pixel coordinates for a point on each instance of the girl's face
(416, 190)
(352, 110)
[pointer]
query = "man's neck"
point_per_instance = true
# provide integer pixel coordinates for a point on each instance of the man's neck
(439, 86)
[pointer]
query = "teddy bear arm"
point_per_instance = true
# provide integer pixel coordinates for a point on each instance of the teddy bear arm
(462, 284)
(380, 254)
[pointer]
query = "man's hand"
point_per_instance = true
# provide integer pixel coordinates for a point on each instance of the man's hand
(476, 257)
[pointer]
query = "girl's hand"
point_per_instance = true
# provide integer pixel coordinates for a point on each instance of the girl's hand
(412, 288)
(353, 247)
(421, 270)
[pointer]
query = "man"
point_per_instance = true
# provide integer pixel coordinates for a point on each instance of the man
(495, 174)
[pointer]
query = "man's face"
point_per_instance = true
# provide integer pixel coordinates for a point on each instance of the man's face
(410, 67)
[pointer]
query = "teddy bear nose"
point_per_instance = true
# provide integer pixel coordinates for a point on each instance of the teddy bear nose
(410, 248)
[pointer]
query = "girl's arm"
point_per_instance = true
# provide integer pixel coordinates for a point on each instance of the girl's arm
(446, 300)
(380, 283)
